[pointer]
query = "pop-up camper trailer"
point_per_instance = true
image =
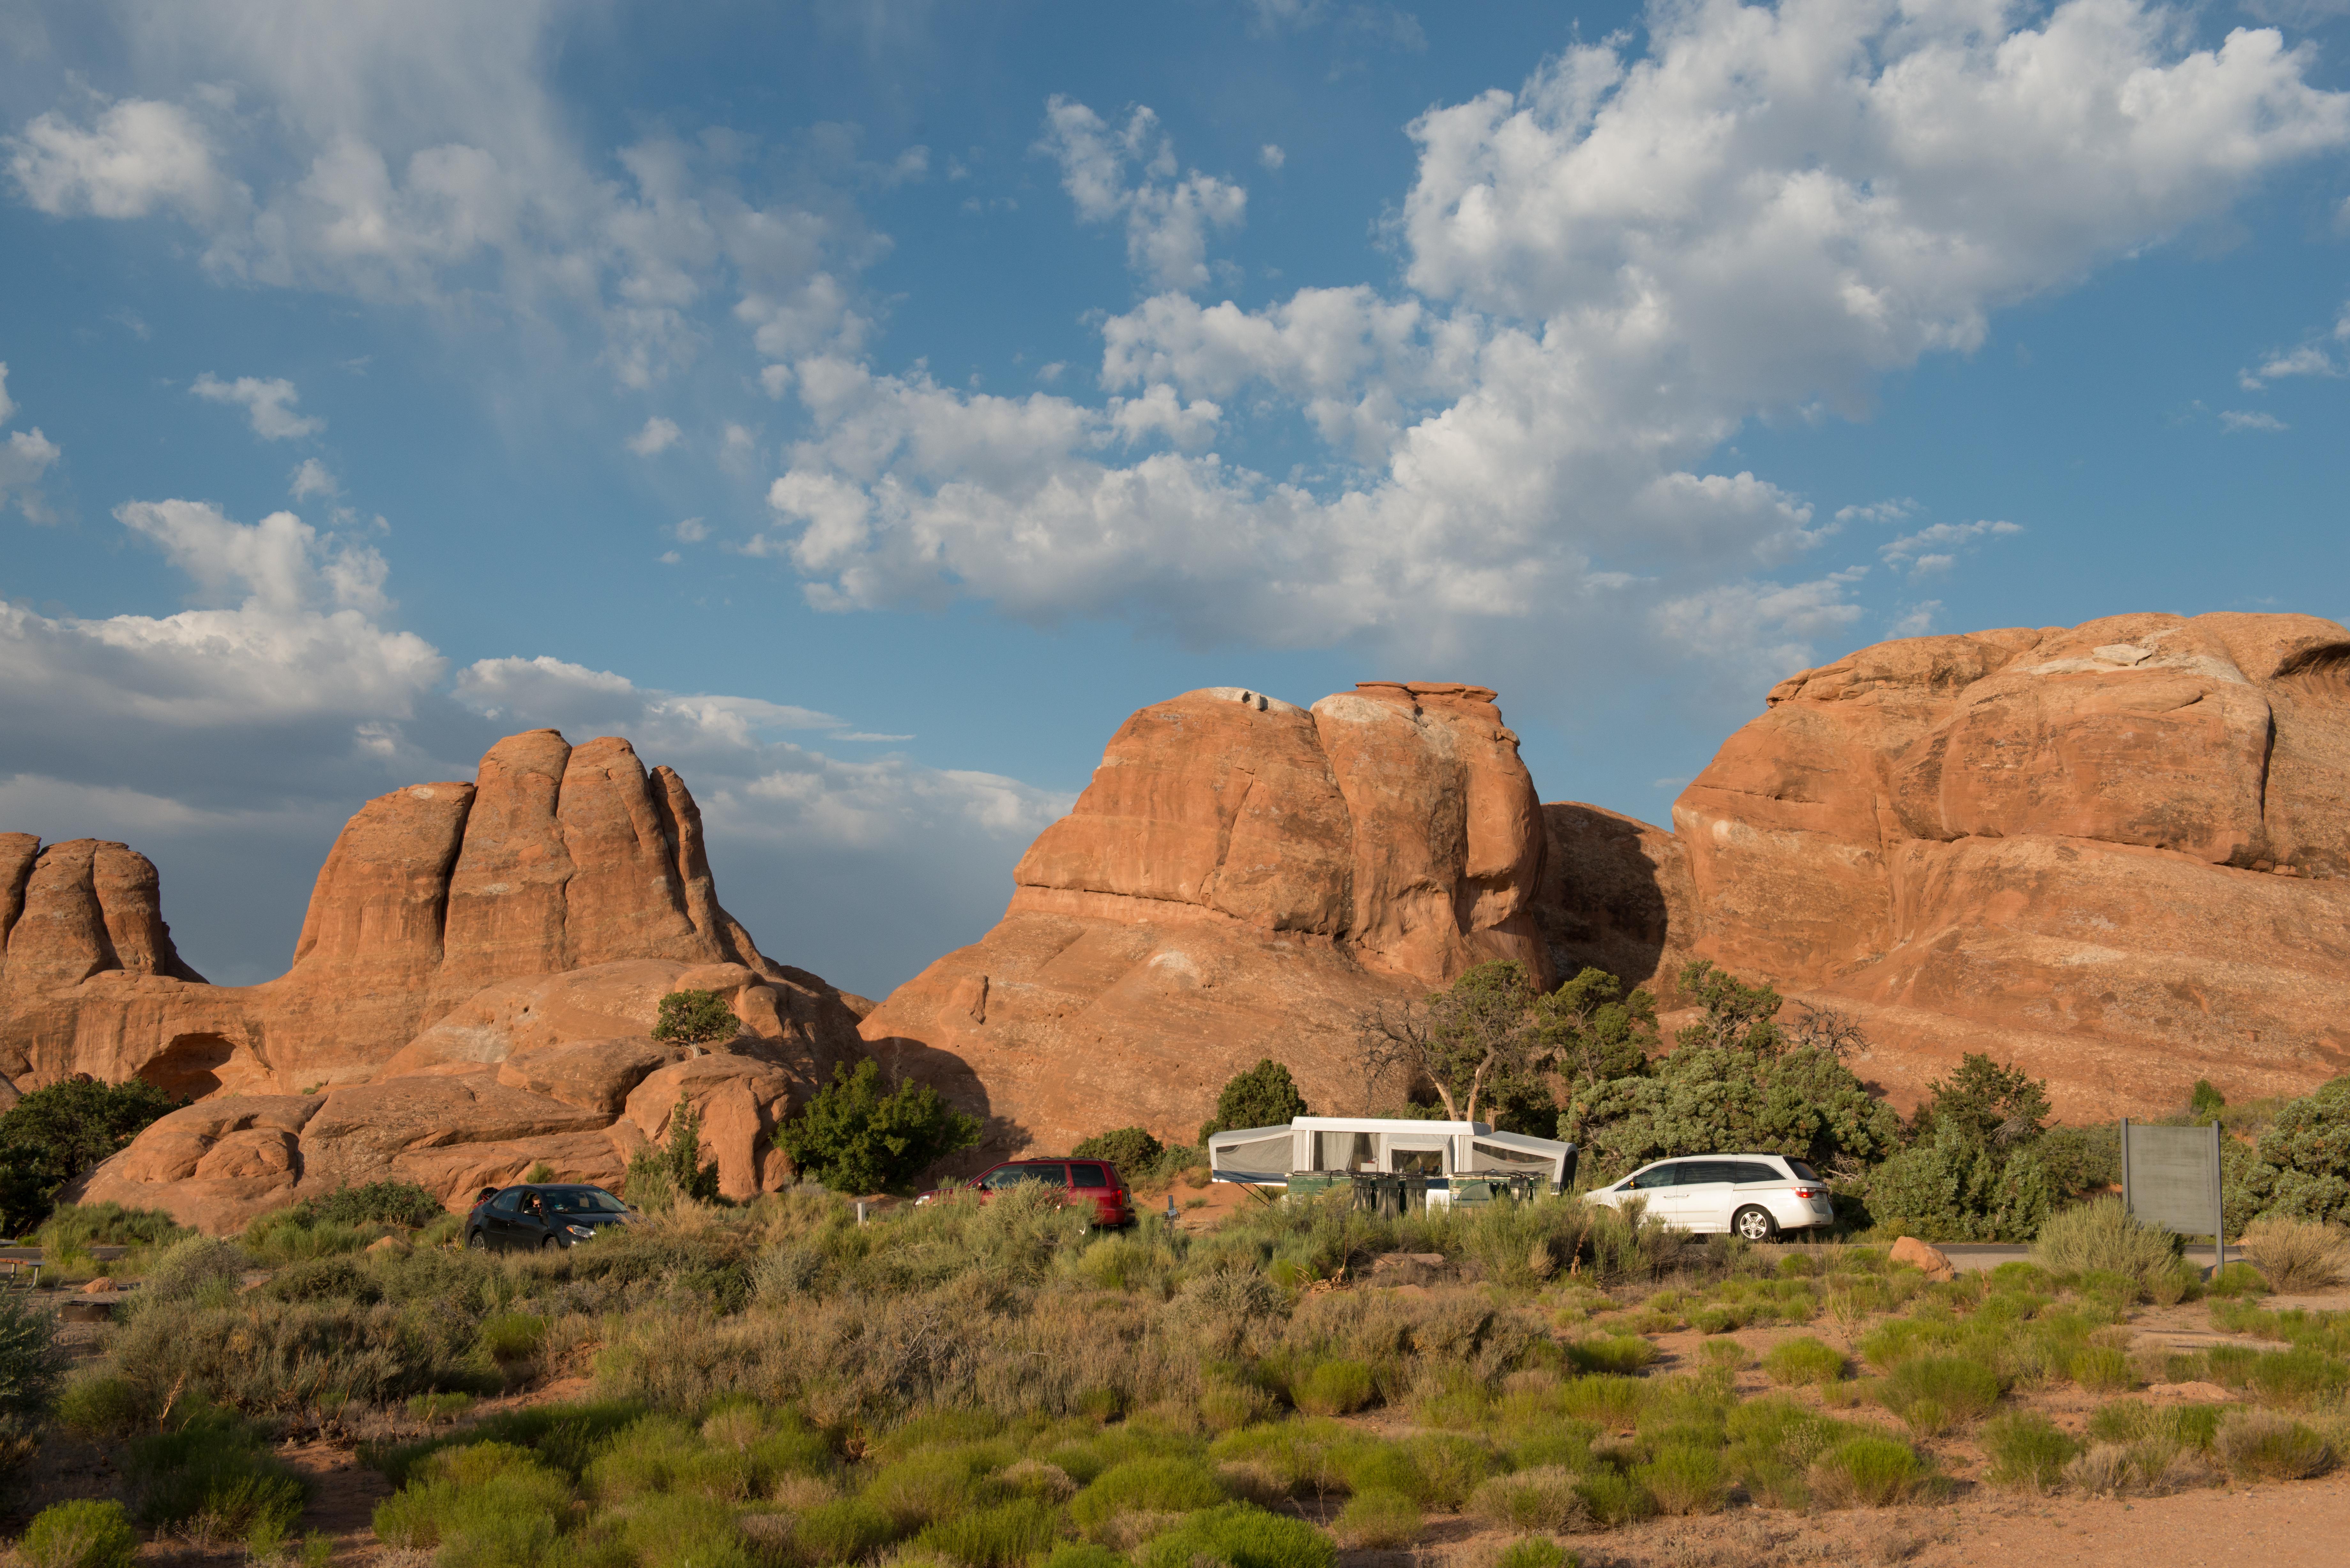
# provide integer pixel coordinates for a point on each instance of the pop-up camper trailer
(1463, 1160)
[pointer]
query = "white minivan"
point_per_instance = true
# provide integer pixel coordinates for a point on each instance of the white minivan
(1754, 1195)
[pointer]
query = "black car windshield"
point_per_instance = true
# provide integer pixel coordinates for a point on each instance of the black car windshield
(584, 1200)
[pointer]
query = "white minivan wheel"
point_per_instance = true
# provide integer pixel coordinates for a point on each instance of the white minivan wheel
(1754, 1223)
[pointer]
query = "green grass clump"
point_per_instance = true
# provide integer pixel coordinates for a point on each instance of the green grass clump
(1540, 1498)
(931, 1484)
(842, 1532)
(1000, 1537)
(2237, 1279)
(1379, 1518)
(99, 1404)
(1935, 1393)
(1867, 1472)
(483, 1502)
(1683, 1478)
(1621, 1354)
(2102, 1369)
(678, 1532)
(2299, 1378)
(509, 1336)
(1147, 1486)
(1333, 1388)
(79, 1534)
(1243, 1535)
(2134, 1420)
(1805, 1360)
(2027, 1452)
(1536, 1551)
(215, 1477)
(1614, 1497)
(1609, 1400)
(2258, 1445)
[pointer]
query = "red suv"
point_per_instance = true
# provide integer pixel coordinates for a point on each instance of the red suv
(1094, 1181)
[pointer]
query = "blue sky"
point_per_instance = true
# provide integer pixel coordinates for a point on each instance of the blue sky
(865, 406)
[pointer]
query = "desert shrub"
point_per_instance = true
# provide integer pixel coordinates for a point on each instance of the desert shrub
(324, 1279)
(2102, 1234)
(1379, 1518)
(1243, 1535)
(73, 1228)
(2261, 1446)
(1804, 1360)
(1536, 1551)
(1263, 1097)
(216, 1476)
(1933, 1393)
(841, 1532)
(682, 1531)
(513, 1335)
(2295, 1256)
(1543, 1498)
(1227, 1406)
(1683, 1478)
(2026, 1450)
(53, 1134)
(660, 1174)
(79, 1534)
(400, 1203)
(2237, 1279)
(695, 1018)
(1614, 1497)
(2300, 1377)
(2102, 1369)
(1867, 1472)
(1085, 1555)
(97, 1403)
(490, 1504)
(187, 1270)
(262, 1356)
(1000, 1537)
(854, 1138)
(30, 1361)
(1333, 1388)
(1132, 1150)
(1146, 1485)
(1616, 1353)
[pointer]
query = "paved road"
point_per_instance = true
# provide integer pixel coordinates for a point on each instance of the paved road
(1984, 1256)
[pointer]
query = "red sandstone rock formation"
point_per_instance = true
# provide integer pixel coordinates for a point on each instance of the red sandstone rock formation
(1240, 880)
(2115, 853)
(472, 993)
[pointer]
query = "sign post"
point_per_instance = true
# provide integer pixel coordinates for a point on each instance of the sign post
(2170, 1178)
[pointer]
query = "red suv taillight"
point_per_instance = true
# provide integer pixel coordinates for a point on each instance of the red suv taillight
(1810, 1193)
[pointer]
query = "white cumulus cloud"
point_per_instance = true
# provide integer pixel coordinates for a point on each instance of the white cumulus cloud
(658, 436)
(268, 404)
(1761, 211)
(24, 457)
(1129, 174)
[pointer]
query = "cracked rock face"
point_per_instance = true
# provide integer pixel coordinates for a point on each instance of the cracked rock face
(1241, 879)
(2116, 854)
(472, 994)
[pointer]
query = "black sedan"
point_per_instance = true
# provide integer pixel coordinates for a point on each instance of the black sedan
(547, 1215)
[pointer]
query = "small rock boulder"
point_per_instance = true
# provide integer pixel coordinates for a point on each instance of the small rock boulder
(1918, 1254)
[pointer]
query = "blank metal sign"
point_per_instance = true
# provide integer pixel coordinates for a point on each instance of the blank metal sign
(2170, 1176)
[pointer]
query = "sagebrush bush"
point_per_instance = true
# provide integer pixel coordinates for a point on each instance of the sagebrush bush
(2260, 1446)
(1934, 1392)
(1243, 1536)
(215, 1477)
(2026, 1450)
(1867, 1472)
(79, 1534)
(1333, 1388)
(1379, 1518)
(1536, 1498)
(2295, 1256)
(186, 1271)
(1536, 1551)
(1683, 1478)
(2101, 1234)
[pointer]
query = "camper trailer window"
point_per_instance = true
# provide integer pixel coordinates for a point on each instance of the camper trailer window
(1490, 1156)
(1344, 1151)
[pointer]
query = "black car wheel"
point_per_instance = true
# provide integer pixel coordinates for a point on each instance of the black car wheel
(1754, 1224)
(475, 1242)
(551, 1243)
